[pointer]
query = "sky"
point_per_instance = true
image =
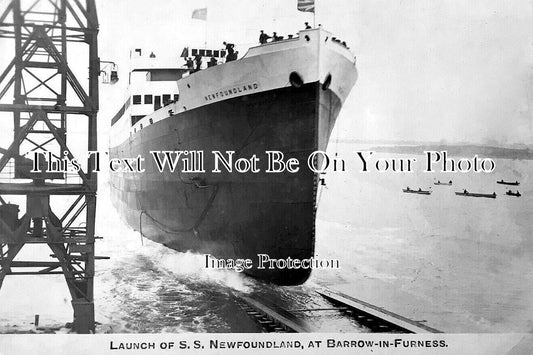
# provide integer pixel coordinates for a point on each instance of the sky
(433, 71)
(437, 71)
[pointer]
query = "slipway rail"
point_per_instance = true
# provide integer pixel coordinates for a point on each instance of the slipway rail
(273, 318)
(376, 318)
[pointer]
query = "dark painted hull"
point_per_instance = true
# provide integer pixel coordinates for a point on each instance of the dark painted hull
(233, 215)
(417, 192)
(508, 183)
(469, 194)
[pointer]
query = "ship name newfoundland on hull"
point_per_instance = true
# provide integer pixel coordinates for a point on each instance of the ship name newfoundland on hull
(281, 96)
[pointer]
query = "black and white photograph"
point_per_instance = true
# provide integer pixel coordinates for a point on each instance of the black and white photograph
(266, 176)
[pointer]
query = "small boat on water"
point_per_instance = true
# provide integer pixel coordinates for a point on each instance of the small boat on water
(516, 183)
(419, 191)
(510, 193)
(475, 194)
(449, 183)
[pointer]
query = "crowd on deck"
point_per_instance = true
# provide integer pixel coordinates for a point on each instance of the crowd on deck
(231, 54)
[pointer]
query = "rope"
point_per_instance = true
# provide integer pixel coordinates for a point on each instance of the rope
(322, 181)
(338, 127)
(321, 187)
(141, 226)
(169, 230)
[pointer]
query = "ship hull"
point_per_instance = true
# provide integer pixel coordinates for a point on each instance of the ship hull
(233, 215)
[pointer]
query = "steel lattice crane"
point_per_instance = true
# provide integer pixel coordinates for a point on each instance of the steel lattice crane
(44, 95)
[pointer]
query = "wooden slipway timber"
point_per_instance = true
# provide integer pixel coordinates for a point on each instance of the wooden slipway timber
(274, 318)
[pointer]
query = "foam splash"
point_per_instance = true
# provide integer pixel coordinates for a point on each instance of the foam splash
(122, 242)
(191, 265)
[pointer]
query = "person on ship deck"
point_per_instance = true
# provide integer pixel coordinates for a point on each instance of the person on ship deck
(275, 37)
(263, 37)
(230, 48)
(189, 63)
(232, 54)
(212, 62)
(198, 61)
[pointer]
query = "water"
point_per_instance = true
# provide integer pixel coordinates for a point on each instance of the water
(461, 264)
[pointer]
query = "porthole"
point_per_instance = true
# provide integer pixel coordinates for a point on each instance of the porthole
(296, 80)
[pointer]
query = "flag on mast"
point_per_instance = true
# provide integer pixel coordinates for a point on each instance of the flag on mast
(306, 5)
(200, 14)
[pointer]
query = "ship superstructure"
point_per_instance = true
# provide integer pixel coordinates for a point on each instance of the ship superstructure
(280, 96)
